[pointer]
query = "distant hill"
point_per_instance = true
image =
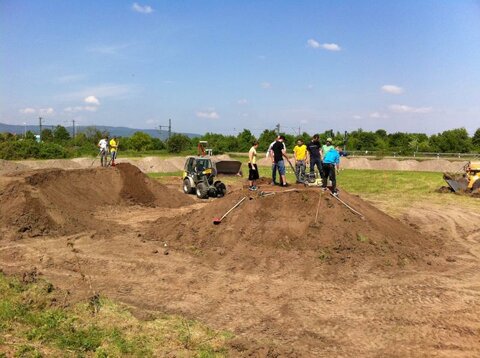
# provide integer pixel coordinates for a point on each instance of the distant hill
(118, 131)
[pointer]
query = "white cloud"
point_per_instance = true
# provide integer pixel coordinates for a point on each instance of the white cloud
(331, 47)
(92, 100)
(313, 43)
(377, 115)
(266, 85)
(326, 46)
(46, 111)
(143, 9)
(209, 114)
(357, 117)
(400, 108)
(310, 87)
(27, 110)
(392, 89)
(242, 101)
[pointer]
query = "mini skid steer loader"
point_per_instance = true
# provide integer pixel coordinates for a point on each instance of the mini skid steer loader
(199, 178)
(466, 182)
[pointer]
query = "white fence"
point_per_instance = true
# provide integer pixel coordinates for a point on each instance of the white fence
(418, 155)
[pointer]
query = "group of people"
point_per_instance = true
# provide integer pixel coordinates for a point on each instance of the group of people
(107, 147)
(326, 158)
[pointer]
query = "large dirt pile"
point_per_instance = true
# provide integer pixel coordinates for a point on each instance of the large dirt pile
(64, 201)
(286, 222)
(7, 166)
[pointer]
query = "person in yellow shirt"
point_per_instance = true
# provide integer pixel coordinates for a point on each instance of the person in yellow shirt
(113, 150)
(300, 155)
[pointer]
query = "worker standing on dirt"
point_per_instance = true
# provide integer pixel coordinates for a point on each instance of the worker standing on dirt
(326, 147)
(252, 166)
(315, 156)
(278, 152)
(113, 150)
(274, 166)
(103, 147)
(331, 165)
(300, 155)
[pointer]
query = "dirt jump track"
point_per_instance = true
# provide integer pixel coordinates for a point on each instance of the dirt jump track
(285, 284)
(173, 164)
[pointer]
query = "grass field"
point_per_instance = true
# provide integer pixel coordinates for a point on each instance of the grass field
(35, 323)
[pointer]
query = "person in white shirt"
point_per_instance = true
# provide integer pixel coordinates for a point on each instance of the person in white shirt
(103, 147)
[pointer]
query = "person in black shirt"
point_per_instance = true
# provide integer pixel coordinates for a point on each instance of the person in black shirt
(277, 154)
(314, 152)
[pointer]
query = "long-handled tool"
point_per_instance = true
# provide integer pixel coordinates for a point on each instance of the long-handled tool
(95, 158)
(349, 207)
(294, 171)
(217, 221)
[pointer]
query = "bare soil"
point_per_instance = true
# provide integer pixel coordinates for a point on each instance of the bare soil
(284, 283)
(173, 164)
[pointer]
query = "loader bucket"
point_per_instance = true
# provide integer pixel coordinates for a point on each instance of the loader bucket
(457, 183)
(231, 167)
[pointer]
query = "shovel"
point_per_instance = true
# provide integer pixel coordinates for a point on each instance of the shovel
(217, 221)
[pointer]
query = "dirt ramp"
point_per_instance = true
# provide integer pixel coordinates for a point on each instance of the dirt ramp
(64, 201)
(285, 222)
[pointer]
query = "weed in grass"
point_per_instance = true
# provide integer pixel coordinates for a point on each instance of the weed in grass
(324, 255)
(36, 327)
(27, 351)
(362, 238)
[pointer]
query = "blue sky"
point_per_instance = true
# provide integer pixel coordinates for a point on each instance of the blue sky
(223, 66)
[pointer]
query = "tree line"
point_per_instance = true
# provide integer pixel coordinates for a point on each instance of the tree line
(58, 143)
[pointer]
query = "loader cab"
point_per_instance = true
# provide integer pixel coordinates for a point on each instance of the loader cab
(197, 165)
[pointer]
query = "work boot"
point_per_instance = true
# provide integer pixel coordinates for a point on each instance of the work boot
(113, 163)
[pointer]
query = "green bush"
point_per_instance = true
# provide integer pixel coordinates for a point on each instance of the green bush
(26, 149)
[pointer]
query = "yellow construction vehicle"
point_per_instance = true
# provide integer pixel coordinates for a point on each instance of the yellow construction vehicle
(466, 182)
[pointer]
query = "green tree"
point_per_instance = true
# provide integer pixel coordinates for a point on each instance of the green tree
(47, 135)
(93, 134)
(382, 133)
(245, 140)
(178, 143)
(267, 137)
(452, 141)
(476, 139)
(140, 141)
(157, 144)
(30, 135)
(60, 134)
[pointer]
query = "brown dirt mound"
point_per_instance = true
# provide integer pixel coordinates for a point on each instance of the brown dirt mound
(286, 222)
(7, 166)
(64, 201)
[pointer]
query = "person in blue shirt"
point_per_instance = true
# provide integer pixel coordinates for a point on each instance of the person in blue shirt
(331, 164)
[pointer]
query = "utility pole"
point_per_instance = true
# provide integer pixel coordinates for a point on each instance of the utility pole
(169, 128)
(73, 128)
(24, 130)
(40, 125)
(345, 141)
